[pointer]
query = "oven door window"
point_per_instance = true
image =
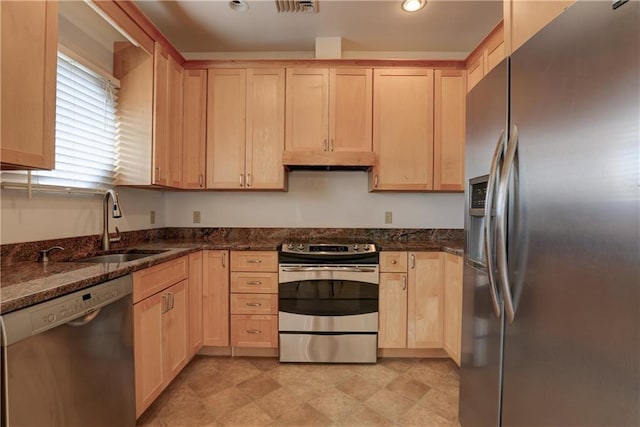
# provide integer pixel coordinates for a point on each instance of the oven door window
(328, 297)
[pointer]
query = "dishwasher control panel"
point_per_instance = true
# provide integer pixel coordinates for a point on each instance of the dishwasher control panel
(47, 315)
(85, 303)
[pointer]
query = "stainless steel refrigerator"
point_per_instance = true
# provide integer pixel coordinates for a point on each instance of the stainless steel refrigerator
(551, 301)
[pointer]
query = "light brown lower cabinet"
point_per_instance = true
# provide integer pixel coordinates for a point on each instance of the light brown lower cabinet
(195, 302)
(215, 298)
(161, 331)
(254, 299)
(453, 273)
(419, 292)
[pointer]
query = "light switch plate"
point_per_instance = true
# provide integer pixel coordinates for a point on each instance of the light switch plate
(152, 217)
(388, 217)
(196, 217)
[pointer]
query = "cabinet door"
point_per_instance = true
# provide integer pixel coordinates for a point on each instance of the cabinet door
(226, 108)
(161, 117)
(392, 328)
(307, 109)
(174, 160)
(523, 19)
(494, 50)
(28, 79)
(350, 107)
(176, 330)
(215, 298)
(449, 106)
(453, 305)
(475, 70)
(403, 129)
(425, 301)
(148, 350)
(194, 131)
(195, 302)
(265, 129)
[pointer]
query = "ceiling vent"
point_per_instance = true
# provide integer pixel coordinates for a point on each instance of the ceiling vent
(304, 6)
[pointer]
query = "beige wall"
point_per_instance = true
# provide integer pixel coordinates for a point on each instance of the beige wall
(317, 199)
(314, 199)
(51, 216)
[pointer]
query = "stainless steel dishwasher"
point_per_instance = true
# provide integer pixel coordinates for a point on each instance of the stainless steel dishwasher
(69, 361)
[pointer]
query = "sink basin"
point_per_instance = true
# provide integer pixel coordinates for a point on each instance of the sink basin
(118, 257)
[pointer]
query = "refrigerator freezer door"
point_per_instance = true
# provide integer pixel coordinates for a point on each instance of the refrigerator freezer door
(572, 355)
(481, 330)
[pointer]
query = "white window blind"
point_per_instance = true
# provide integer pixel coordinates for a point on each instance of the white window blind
(86, 131)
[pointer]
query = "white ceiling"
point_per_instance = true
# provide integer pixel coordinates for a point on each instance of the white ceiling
(444, 29)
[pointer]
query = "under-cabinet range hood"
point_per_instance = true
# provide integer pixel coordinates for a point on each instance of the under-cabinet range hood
(328, 160)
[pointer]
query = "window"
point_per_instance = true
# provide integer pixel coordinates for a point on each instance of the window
(86, 130)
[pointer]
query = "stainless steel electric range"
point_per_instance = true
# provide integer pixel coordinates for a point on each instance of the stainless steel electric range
(328, 302)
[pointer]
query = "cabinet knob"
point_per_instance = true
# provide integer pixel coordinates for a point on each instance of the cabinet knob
(393, 261)
(248, 180)
(404, 283)
(241, 180)
(254, 331)
(375, 181)
(254, 283)
(254, 304)
(325, 147)
(201, 181)
(332, 145)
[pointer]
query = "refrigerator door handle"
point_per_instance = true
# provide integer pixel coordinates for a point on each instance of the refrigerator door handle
(501, 224)
(498, 157)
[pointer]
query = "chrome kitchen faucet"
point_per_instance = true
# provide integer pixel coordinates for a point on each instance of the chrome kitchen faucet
(116, 213)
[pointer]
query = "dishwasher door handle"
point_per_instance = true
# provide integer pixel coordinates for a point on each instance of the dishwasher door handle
(87, 318)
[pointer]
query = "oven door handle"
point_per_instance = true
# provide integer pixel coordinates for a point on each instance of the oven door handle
(330, 268)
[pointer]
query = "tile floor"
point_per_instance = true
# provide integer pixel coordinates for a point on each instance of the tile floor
(221, 391)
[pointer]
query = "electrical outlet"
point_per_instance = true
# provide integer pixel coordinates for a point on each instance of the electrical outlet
(196, 217)
(152, 217)
(388, 217)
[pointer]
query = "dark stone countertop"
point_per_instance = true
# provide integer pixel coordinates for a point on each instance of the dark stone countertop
(27, 283)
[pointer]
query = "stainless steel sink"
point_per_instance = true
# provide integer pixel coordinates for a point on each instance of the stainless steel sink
(130, 255)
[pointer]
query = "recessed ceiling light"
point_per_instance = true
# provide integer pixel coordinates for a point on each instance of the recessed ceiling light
(413, 5)
(239, 5)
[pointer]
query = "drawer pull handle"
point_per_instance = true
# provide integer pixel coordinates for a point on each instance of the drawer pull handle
(254, 283)
(393, 261)
(254, 331)
(254, 261)
(254, 304)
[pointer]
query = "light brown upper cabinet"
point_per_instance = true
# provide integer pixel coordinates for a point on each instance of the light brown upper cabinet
(28, 80)
(245, 129)
(194, 132)
(329, 114)
(523, 19)
(486, 56)
(403, 129)
(449, 130)
(167, 120)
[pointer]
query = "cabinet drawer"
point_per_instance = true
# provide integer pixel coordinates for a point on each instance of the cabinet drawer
(154, 279)
(254, 261)
(254, 331)
(256, 283)
(393, 262)
(254, 304)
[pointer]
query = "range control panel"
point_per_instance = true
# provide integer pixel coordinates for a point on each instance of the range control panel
(329, 248)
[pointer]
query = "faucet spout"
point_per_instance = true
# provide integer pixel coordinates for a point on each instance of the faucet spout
(115, 213)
